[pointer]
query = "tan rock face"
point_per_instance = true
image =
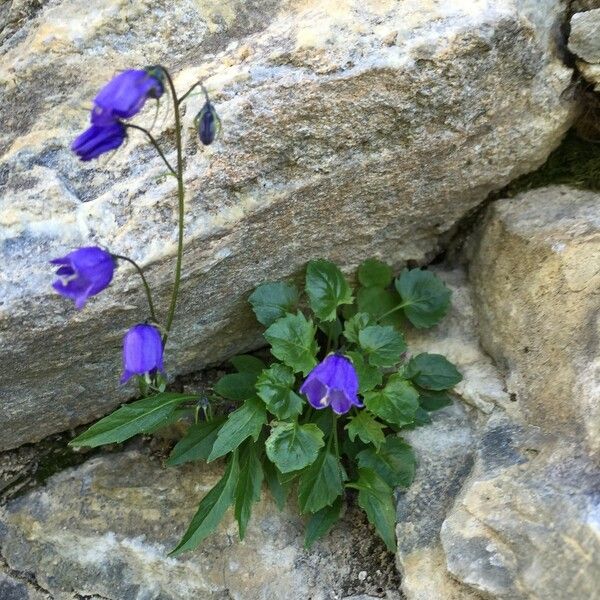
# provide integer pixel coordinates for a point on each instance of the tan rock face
(536, 280)
(349, 130)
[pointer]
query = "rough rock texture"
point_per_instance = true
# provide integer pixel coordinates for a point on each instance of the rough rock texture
(105, 527)
(536, 278)
(584, 42)
(351, 129)
(501, 509)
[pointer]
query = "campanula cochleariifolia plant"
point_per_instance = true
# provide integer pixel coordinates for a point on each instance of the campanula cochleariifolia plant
(326, 414)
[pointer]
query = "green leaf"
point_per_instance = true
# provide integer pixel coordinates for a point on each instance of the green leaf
(138, 417)
(327, 289)
(292, 340)
(292, 447)
(396, 403)
(271, 301)
(382, 344)
(274, 386)
(321, 522)
(197, 442)
(366, 428)
(421, 417)
(354, 325)
(425, 297)
(432, 372)
(321, 483)
(241, 424)
(377, 302)
(246, 363)
(236, 386)
(394, 462)
(368, 377)
(332, 329)
(431, 400)
(374, 273)
(248, 486)
(278, 489)
(376, 498)
(211, 509)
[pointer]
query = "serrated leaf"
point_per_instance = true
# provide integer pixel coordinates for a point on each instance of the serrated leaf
(354, 325)
(421, 417)
(271, 301)
(236, 386)
(432, 372)
(374, 273)
(278, 489)
(246, 363)
(431, 400)
(366, 428)
(211, 509)
(292, 340)
(377, 301)
(394, 462)
(248, 486)
(383, 345)
(292, 447)
(197, 442)
(274, 387)
(369, 377)
(321, 483)
(321, 522)
(376, 498)
(425, 297)
(327, 289)
(396, 403)
(247, 421)
(129, 420)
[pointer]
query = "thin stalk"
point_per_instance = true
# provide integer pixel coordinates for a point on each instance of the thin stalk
(180, 208)
(146, 286)
(198, 83)
(334, 433)
(154, 143)
(393, 310)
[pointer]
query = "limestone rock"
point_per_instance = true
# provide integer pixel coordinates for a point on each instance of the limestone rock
(525, 526)
(339, 140)
(583, 38)
(536, 284)
(104, 529)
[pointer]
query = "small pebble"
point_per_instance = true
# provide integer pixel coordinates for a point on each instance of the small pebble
(362, 575)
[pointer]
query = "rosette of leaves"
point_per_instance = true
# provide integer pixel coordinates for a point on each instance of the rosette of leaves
(275, 437)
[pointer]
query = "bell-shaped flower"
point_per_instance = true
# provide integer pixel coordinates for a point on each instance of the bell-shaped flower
(207, 123)
(98, 139)
(83, 273)
(333, 382)
(142, 351)
(125, 94)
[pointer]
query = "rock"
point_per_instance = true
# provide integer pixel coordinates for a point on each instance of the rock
(348, 132)
(583, 38)
(526, 525)
(536, 285)
(105, 527)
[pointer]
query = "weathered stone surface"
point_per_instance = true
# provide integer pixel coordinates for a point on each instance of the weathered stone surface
(526, 526)
(583, 38)
(536, 283)
(105, 528)
(365, 128)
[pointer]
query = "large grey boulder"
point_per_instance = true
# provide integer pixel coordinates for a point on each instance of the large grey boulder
(362, 130)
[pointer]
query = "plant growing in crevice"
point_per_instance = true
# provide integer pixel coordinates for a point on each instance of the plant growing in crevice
(326, 415)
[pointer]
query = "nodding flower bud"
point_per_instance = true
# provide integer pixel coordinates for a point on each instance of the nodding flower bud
(207, 123)
(142, 351)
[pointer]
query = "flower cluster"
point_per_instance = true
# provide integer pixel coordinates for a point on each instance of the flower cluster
(87, 271)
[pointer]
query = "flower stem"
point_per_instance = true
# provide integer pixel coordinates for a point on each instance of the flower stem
(180, 207)
(146, 286)
(155, 144)
(198, 83)
(334, 433)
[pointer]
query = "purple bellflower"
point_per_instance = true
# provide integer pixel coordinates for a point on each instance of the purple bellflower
(83, 273)
(207, 123)
(125, 94)
(333, 382)
(142, 351)
(98, 139)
